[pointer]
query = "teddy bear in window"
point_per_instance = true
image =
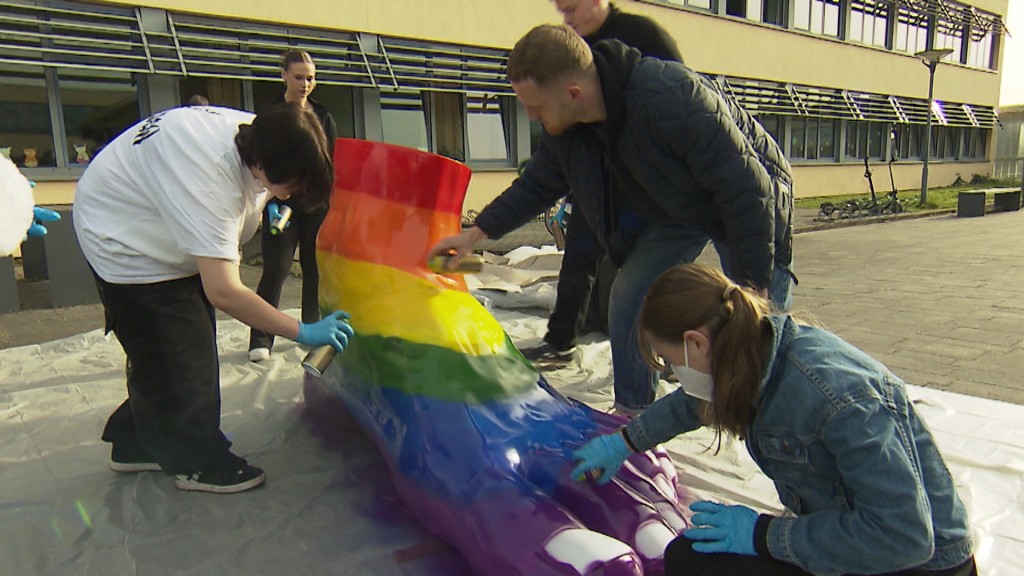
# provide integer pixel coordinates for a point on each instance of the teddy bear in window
(30, 158)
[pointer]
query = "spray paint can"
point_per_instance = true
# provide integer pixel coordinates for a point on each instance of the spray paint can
(470, 264)
(318, 360)
(279, 223)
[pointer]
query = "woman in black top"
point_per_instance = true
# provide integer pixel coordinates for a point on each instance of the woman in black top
(299, 75)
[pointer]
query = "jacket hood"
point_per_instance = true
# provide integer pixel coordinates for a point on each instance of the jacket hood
(615, 63)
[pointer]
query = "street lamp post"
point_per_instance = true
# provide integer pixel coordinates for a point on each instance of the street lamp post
(931, 59)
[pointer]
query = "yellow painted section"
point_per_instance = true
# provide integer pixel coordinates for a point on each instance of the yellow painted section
(389, 302)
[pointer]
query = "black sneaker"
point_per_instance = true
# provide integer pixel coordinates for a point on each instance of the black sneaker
(230, 475)
(131, 458)
(546, 354)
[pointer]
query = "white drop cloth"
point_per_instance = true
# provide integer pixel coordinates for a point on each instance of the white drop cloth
(327, 507)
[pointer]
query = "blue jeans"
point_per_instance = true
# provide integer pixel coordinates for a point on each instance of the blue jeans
(780, 289)
(657, 250)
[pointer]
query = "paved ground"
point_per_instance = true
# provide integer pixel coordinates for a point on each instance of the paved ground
(937, 299)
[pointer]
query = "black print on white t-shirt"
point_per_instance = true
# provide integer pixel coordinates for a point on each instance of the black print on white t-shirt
(148, 128)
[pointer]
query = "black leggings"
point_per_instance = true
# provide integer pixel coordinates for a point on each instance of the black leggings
(278, 255)
(682, 560)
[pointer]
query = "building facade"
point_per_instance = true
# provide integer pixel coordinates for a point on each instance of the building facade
(835, 81)
(1009, 156)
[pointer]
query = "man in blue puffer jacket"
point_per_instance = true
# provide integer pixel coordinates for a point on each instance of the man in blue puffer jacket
(660, 159)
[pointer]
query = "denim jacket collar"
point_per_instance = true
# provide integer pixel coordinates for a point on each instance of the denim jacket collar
(782, 333)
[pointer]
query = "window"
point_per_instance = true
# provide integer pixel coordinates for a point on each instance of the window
(911, 30)
(26, 134)
(908, 140)
(826, 138)
(812, 138)
(702, 4)
(340, 102)
(979, 53)
(97, 106)
(403, 120)
(975, 143)
(219, 91)
(797, 138)
(446, 121)
(950, 35)
(767, 11)
(485, 126)
(773, 124)
(865, 140)
(817, 16)
(265, 92)
(945, 142)
(869, 21)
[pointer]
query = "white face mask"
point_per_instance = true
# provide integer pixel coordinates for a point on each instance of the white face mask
(694, 382)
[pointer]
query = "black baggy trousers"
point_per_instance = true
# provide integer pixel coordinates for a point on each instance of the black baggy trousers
(169, 334)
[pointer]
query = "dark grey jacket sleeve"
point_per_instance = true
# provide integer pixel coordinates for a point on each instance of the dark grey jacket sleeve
(541, 184)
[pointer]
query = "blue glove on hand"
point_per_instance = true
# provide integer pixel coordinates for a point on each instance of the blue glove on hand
(274, 212)
(559, 217)
(333, 330)
(604, 454)
(40, 215)
(721, 528)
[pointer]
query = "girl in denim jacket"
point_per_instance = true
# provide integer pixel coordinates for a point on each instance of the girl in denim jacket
(865, 487)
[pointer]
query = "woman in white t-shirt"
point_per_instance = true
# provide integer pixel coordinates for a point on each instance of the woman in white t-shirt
(160, 214)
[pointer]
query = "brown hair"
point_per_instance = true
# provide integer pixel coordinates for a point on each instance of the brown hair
(289, 144)
(294, 55)
(548, 53)
(692, 296)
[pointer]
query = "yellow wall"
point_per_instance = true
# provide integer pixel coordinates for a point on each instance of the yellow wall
(830, 179)
(49, 193)
(710, 44)
(495, 23)
(741, 48)
(484, 187)
(809, 181)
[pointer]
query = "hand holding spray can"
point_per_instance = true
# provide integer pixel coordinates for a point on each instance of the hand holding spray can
(277, 225)
(318, 359)
(470, 264)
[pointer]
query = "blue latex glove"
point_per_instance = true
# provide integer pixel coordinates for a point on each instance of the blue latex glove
(333, 330)
(274, 212)
(559, 217)
(721, 528)
(40, 215)
(603, 455)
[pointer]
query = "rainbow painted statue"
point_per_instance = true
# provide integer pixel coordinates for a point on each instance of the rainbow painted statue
(479, 445)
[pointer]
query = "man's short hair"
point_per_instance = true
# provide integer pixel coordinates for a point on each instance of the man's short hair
(547, 53)
(288, 143)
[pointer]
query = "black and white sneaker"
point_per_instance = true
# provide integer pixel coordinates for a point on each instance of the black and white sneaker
(127, 458)
(547, 355)
(230, 475)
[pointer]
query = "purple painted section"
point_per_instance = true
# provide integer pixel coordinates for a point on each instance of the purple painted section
(492, 479)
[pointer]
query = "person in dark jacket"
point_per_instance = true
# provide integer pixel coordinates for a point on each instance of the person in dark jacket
(659, 159)
(597, 20)
(583, 254)
(299, 75)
